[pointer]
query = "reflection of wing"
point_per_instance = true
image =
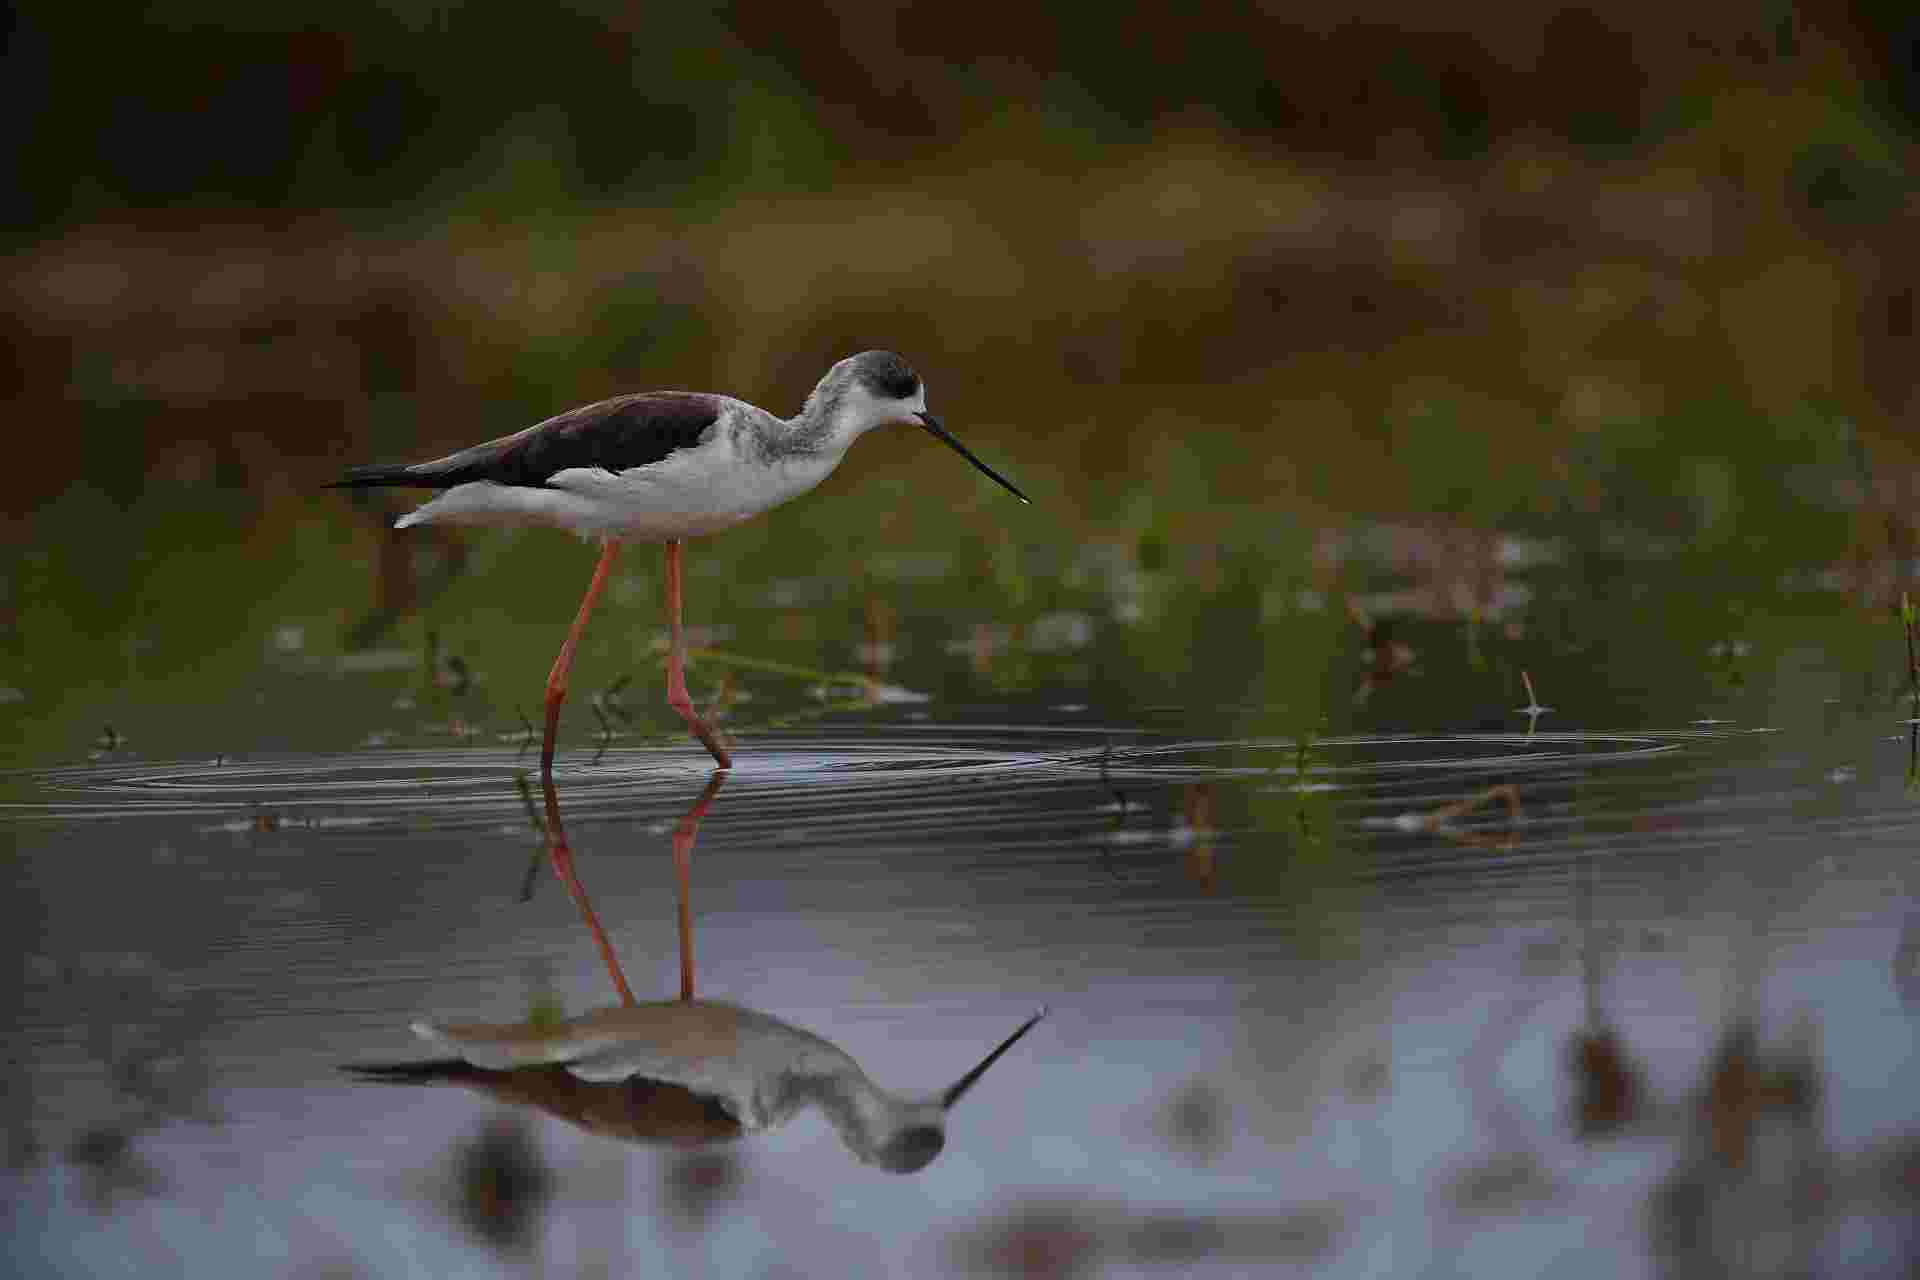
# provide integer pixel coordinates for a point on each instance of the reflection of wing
(634, 1110)
(673, 1029)
(736, 1059)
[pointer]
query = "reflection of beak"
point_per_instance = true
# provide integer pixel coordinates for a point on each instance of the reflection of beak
(952, 1095)
(938, 432)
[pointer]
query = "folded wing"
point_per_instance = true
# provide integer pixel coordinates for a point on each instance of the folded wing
(612, 435)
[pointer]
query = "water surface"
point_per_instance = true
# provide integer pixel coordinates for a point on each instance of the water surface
(1321, 1000)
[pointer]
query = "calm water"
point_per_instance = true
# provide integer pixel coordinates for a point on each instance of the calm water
(1323, 1005)
(1356, 955)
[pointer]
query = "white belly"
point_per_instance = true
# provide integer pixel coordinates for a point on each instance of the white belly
(689, 495)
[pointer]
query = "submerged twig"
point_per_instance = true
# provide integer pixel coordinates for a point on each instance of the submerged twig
(1120, 797)
(606, 729)
(772, 667)
(1908, 618)
(107, 743)
(610, 697)
(539, 826)
(606, 705)
(807, 714)
(1119, 818)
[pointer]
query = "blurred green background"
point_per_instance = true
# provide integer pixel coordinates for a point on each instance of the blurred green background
(1249, 299)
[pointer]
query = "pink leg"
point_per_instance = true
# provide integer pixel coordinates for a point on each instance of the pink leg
(557, 678)
(676, 663)
(562, 858)
(683, 837)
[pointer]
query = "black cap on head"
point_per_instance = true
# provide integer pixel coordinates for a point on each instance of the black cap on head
(886, 374)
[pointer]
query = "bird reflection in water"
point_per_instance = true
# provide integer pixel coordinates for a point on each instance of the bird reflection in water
(682, 1072)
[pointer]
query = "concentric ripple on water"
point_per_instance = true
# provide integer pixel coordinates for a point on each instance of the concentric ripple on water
(865, 764)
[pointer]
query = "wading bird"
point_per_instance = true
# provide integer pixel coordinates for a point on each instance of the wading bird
(689, 1073)
(662, 466)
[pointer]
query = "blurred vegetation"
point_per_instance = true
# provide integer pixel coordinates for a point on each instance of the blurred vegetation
(1213, 282)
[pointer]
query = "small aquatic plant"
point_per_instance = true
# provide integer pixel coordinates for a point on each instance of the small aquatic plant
(608, 707)
(1907, 622)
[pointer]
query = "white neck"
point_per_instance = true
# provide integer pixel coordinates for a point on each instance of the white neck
(838, 413)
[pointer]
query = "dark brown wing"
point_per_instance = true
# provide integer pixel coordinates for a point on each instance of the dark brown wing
(614, 435)
(634, 1110)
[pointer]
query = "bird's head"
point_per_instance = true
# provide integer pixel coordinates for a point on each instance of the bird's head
(877, 389)
(903, 1133)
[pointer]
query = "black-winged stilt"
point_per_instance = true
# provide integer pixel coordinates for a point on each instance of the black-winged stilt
(689, 1072)
(662, 466)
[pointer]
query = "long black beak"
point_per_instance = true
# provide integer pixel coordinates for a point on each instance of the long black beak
(952, 1095)
(932, 424)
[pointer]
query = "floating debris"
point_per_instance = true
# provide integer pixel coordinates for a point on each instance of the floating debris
(1196, 1122)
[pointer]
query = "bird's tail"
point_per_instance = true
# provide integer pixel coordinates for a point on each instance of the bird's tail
(438, 1071)
(385, 473)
